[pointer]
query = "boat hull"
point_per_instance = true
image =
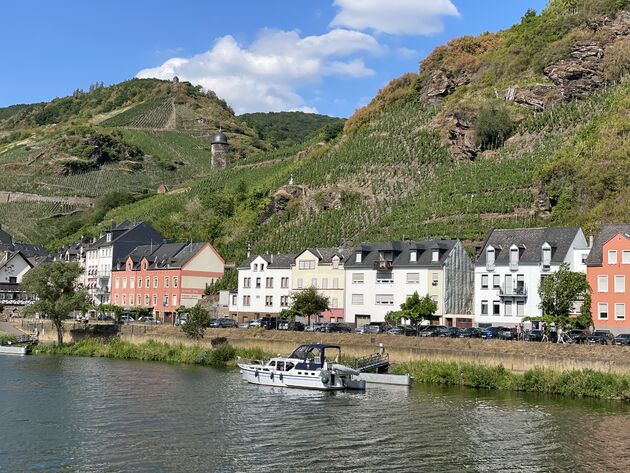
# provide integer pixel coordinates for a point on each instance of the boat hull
(306, 380)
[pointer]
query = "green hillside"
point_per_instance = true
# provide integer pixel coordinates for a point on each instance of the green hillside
(528, 126)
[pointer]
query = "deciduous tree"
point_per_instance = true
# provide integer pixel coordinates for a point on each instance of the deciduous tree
(309, 302)
(416, 309)
(196, 323)
(559, 291)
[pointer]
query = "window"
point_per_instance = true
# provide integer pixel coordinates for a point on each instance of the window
(358, 278)
(514, 257)
(484, 307)
(385, 299)
(357, 299)
(413, 256)
(484, 281)
(435, 256)
(255, 267)
(155, 281)
(335, 262)
(490, 258)
(167, 282)
(335, 303)
(602, 283)
(284, 283)
(300, 283)
(520, 308)
(175, 281)
(508, 308)
(257, 283)
(269, 283)
(116, 299)
(620, 284)
(546, 256)
(620, 311)
(324, 283)
(148, 283)
(268, 301)
(384, 278)
(146, 299)
(612, 256)
(357, 258)
(496, 281)
(246, 301)
(124, 281)
(124, 299)
(174, 300)
(496, 308)
(336, 283)
(284, 301)
(154, 299)
(413, 278)
(138, 300)
(131, 299)
(165, 301)
(602, 311)
(247, 283)
(306, 264)
(625, 256)
(434, 279)
(117, 283)
(132, 283)
(314, 282)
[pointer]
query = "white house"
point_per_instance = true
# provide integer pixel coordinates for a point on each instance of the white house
(264, 286)
(511, 265)
(381, 276)
(13, 267)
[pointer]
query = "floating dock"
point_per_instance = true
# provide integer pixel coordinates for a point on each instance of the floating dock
(7, 350)
(393, 379)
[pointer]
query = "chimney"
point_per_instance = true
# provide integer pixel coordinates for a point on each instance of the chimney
(249, 249)
(271, 258)
(590, 241)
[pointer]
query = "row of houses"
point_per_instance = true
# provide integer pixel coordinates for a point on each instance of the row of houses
(496, 286)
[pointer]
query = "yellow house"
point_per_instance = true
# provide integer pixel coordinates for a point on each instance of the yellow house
(322, 268)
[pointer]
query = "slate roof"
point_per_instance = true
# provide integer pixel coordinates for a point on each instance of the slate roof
(401, 251)
(605, 234)
(5, 238)
(325, 255)
(529, 241)
(274, 261)
(118, 232)
(164, 256)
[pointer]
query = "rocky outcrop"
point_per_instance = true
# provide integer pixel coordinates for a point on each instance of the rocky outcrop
(281, 200)
(536, 97)
(457, 132)
(441, 83)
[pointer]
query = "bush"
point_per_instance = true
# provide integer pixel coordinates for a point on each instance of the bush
(616, 63)
(218, 341)
(493, 126)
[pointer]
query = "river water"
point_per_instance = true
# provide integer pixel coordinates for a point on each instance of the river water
(65, 414)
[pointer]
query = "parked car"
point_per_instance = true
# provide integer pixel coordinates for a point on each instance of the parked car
(269, 323)
(317, 327)
(534, 335)
(126, 319)
(601, 337)
(576, 336)
(369, 328)
(506, 333)
(285, 324)
(449, 332)
(623, 339)
(223, 322)
(432, 331)
(104, 317)
(402, 330)
(254, 323)
(470, 332)
(490, 333)
(149, 319)
(336, 327)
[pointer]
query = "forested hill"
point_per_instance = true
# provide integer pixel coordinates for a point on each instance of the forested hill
(525, 127)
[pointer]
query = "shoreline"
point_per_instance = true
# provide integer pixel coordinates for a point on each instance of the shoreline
(569, 383)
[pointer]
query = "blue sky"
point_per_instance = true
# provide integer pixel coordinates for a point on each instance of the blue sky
(329, 56)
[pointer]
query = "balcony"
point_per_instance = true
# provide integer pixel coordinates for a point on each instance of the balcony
(383, 265)
(520, 290)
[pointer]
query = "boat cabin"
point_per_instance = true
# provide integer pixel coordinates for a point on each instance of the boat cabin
(315, 354)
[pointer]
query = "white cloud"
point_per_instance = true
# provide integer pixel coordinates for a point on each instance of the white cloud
(407, 53)
(267, 75)
(412, 17)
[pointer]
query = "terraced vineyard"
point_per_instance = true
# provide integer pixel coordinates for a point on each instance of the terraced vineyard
(154, 114)
(33, 221)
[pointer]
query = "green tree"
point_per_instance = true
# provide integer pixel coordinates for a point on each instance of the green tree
(54, 285)
(584, 320)
(196, 323)
(309, 302)
(493, 126)
(559, 291)
(416, 309)
(393, 317)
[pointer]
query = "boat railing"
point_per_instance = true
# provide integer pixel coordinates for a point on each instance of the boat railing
(374, 362)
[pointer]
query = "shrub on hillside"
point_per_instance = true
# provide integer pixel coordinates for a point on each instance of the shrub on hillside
(493, 126)
(616, 62)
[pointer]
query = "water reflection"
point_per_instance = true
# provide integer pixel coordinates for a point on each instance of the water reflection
(95, 415)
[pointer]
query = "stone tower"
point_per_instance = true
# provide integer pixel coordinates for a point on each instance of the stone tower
(220, 151)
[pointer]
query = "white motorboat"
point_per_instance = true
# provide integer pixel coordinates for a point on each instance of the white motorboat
(314, 366)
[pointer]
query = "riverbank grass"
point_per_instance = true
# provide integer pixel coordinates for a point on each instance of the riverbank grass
(576, 383)
(220, 356)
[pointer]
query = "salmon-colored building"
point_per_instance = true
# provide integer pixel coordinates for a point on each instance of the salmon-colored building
(608, 273)
(165, 277)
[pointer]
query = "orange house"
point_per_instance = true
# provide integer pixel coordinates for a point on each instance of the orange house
(165, 277)
(608, 273)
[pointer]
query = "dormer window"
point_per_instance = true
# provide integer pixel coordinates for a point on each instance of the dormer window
(255, 266)
(490, 254)
(108, 236)
(357, 258)
(546, 256)
(413, 256)
(514, 255)
(435, 256)
(335, 262)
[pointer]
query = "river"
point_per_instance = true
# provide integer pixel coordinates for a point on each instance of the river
(65, 414)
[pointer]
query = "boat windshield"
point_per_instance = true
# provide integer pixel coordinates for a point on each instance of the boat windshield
(314, 353)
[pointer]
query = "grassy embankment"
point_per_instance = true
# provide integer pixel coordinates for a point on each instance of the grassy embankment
(575, 383)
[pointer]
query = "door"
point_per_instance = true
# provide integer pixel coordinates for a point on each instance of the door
(362, 320)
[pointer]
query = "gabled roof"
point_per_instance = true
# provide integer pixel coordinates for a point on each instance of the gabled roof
(5, 238)
(118, 232)
(529, 242)
(11, 256)
(164, 256)
(401, 253)
(605, 234)
(274, 261)
(325, 255)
